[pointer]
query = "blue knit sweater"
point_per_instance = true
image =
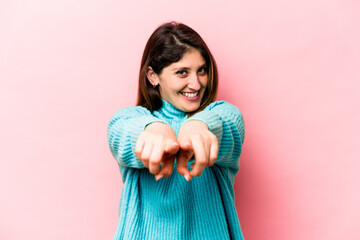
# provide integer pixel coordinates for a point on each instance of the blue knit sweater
(173, 208)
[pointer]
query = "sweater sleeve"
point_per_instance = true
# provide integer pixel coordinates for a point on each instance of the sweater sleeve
(226, 122)
(123, 131)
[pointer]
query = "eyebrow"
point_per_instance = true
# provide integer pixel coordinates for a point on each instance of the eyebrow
(187, 68)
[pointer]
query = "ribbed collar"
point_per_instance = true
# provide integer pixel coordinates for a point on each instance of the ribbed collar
(169, 111)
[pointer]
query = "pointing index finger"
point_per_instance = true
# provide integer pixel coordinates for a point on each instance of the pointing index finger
(201, 159)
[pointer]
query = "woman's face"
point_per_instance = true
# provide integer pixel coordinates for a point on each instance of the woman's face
(183, 83)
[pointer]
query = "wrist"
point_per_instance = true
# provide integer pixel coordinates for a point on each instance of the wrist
(156, 125)
(196, 124)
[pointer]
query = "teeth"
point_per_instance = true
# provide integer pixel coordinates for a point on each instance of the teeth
(190, 95)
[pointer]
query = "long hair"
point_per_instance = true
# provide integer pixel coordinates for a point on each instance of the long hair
(168, 43)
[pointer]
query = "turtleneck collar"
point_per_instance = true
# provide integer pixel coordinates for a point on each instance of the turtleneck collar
(170, 111)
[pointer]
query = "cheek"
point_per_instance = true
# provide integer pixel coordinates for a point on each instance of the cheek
(203, 81)
(177, 85)
(172, 87)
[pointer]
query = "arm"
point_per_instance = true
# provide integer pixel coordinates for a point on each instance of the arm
(124, 128)
(226, 122)
(220, 119)
(137, 139)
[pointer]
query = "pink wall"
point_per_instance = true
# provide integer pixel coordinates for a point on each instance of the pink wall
(292, 67)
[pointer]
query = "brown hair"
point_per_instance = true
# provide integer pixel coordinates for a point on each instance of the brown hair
(167, 45)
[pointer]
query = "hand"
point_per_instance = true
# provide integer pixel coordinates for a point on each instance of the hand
(157, 145)
(196, 140)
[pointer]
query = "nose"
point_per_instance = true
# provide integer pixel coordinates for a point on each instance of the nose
(194, 82)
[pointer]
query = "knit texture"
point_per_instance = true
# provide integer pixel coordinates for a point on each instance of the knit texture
(173, 208)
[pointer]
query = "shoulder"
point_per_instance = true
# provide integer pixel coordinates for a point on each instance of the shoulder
(223, 106)
(132, 111)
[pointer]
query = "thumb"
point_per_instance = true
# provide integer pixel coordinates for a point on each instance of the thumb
(172, 148)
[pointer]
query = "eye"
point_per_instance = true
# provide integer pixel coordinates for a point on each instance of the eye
(202, 71)
(182, 73)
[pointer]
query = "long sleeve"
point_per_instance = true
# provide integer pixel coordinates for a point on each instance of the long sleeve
(123, 131)
(173, 208)
(226, 122)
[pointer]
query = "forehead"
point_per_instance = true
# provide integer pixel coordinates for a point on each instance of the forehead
(191, 59)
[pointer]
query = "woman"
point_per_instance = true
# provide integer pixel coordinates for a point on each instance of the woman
(178, 150)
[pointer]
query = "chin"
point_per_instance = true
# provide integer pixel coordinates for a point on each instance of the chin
(191, 109)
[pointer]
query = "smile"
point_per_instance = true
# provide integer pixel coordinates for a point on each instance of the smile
(190, 95)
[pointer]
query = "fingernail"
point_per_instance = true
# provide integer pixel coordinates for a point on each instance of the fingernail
(187, 177)
(158, 177)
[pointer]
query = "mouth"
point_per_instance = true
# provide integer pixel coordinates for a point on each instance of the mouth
(192, 96)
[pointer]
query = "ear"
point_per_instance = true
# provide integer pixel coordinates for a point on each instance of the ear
(152, 76)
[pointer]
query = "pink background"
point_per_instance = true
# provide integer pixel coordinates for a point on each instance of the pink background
(292, 67)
